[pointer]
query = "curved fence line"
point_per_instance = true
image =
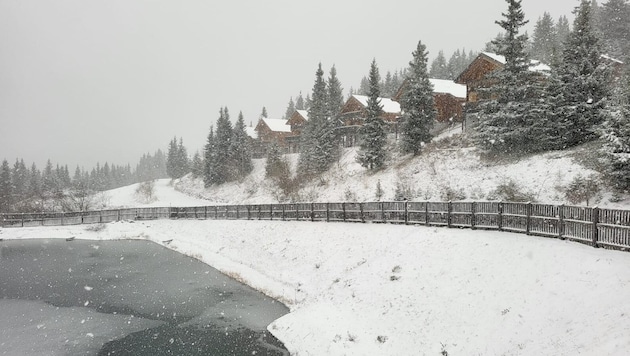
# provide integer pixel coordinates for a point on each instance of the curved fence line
(598, 227)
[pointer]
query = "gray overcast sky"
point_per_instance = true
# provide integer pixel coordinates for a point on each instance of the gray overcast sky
(108, 80)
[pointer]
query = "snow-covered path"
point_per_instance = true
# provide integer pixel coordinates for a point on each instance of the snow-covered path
(379, 289)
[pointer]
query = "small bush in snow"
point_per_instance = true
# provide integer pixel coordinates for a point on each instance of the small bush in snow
(582, 189)
(510, 191)
(349, 195)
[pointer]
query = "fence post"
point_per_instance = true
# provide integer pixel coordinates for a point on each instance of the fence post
(22, 219)
(449, 211)
(205, 212)
(406, 212)
(283, 212)
(118, 215)
(528, 212)
(216, 212)
(343, 208)
(561, 222)
(270, 211)
(382, 212)
(595, 230)
(62, 216)
(312, 212)
(500, 215)
(426, 213)
(361, 210)
(100, 216)
(473, 218)
(327, 212)
(237, 213)
(259, 207)
(297, 211)
(249, 212)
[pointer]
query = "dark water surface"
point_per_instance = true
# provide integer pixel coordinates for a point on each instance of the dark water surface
(125, 297)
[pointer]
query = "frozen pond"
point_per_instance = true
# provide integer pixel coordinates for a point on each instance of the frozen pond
(125, 297)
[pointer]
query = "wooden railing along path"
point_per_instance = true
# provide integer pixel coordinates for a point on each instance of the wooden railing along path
(598, 227)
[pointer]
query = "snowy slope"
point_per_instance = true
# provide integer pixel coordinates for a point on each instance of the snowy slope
(165, 195)
(380, 289)
(448, 170)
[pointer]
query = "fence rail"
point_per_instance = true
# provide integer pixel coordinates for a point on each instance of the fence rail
(598, 227)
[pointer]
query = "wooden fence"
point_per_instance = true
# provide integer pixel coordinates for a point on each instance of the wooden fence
(598, 227)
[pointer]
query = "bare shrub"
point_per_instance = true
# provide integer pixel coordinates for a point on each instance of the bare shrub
(145, 192)
(509, 190)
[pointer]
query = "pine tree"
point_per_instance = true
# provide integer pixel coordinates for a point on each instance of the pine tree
(35, 183)
(171, 159)
(544, 40)
(6, 188)
(373, 136)
(221, 153)
(299, 103)
(264, 112)
(318, 142)
(182, 162)
(335, 100)
(290, 109)
(209, 173)
(19, 180)
(614, 26)
(439, 67)
(578, 89)
(197, 165)
(509, 120)
(240, 150)
(563, 29)
(417, 104)
(617, 148)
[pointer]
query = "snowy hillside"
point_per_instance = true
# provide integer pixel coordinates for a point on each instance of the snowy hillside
(449, 169)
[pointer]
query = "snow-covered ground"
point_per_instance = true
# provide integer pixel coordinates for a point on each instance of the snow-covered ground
(380, 289)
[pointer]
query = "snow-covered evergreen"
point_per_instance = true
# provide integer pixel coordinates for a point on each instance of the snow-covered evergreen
(544, 40)
(510, 118)
(579, 88)
(373, 137)
(417, 104)
(319, 146)
(439, 69)
(6, 188)
(240, 150)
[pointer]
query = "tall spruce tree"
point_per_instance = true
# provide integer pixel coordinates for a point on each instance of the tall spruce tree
(240, 150)
(614, 26)
(544, 41)
(335, 94)
(439, 67)
(318, 142)
(578, 88)
(290, 109)
(373, 136)
(508, 120)
(417, 104)
(6, 188)
(222, 144)
(617, 148)
(209, 173)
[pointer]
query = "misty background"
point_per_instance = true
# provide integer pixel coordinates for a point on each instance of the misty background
(106, 81)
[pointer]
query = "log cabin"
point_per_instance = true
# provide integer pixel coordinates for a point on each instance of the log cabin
(353, 114)
(449, 98)
(272, 130)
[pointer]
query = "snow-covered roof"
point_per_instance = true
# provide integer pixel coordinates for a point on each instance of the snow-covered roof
(449, 87)
(277, 125)
(389, 106)
(534, 65)
(251, 132)
(303, 113)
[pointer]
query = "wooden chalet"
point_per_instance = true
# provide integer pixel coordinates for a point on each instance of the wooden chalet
(272, 130)
(449, 98)
(353, 114)
(475, 76)
(297, 121)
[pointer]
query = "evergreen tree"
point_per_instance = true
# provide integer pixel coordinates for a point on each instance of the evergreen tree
(373, 136)
(417, 104)
(48, 179)
(290, 109)
(240, 150)
(19, 180)
(364, 87)
(183, 163)
(209, 174)
(264, 112)
(544, 40)
(578, 87)
(335, 100)
(197, 165)
(387, 86)
(439, 67)
(6, 188)
(299, 103)
(171, 159)
(219, 159)
(614, 26)
(319, 142)
(509, 120)
(275, 166)
(562, 33)
(617, 148)
(35, 182)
